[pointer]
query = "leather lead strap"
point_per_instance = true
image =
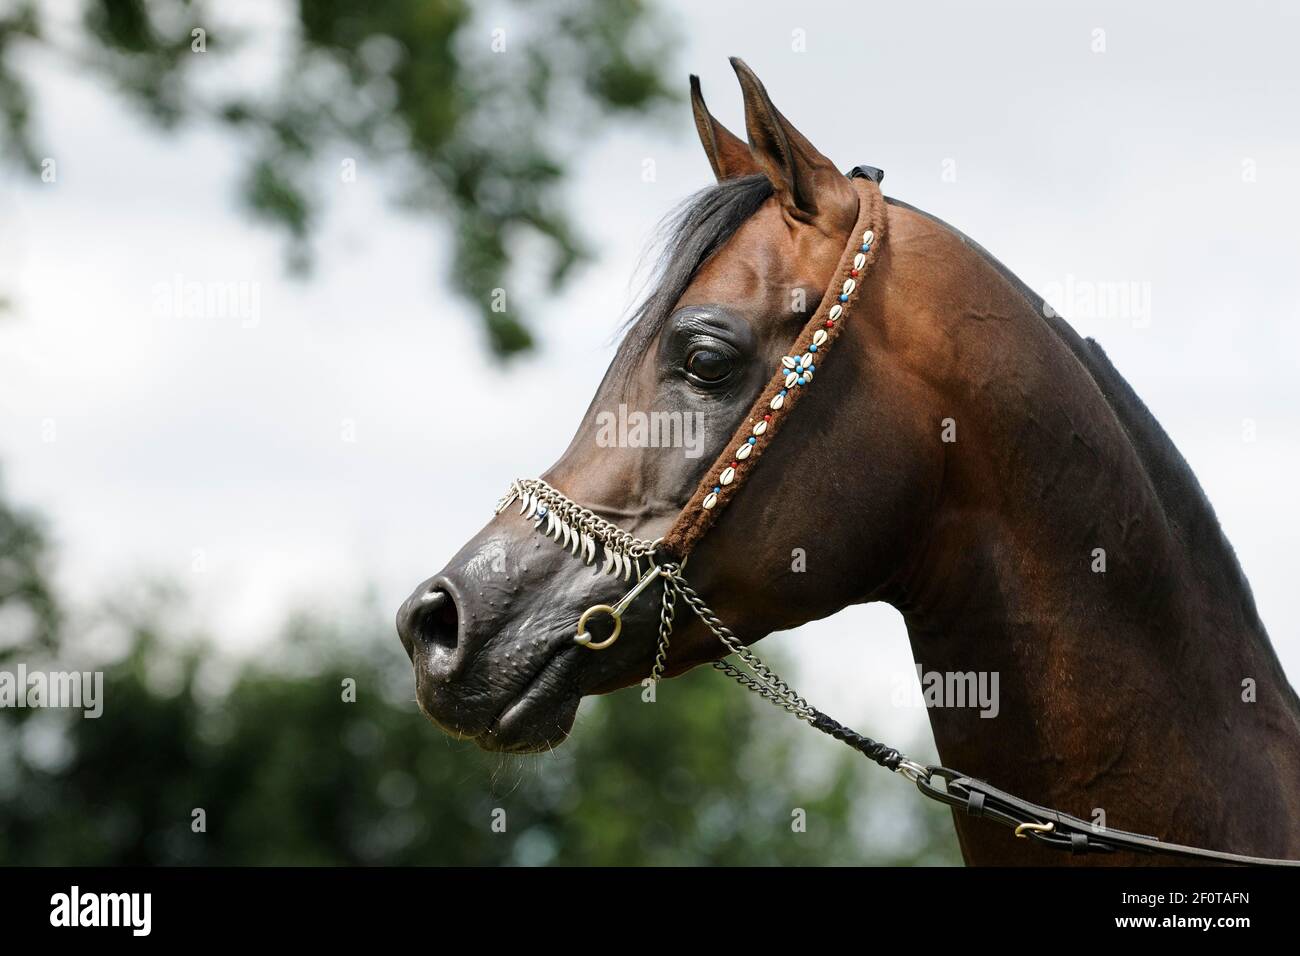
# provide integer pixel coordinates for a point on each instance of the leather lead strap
(1061, 831)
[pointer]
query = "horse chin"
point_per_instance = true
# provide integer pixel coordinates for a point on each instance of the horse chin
(533, 715)
(531, 724)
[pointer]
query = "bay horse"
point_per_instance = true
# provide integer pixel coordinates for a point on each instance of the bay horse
(966, 458)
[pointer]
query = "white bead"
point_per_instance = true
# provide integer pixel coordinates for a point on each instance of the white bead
(849, 286)
(760, 428)
(776, 402)
(791, 379)
(868, 237)
(836, 311)
(743, 451)
(710, 500)
(728, 476)
(788, 361)
(819, 337)
(859, 260)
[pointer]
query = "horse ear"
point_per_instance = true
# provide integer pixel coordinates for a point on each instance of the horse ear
(728, 154)
(808, 185)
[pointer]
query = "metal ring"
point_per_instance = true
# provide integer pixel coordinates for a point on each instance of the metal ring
(912, 770)
(583, 638)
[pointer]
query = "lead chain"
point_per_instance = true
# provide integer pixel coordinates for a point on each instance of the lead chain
(666, 611)
(762, 681)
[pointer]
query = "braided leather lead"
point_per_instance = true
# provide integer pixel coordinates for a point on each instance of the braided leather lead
(886, 756)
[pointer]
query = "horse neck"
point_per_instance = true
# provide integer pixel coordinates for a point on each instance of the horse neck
(1120, 684)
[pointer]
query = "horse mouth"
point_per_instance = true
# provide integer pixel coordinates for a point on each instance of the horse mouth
(542, 714)
(532, 715)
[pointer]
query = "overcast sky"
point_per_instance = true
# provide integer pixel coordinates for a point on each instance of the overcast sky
(1158, 156)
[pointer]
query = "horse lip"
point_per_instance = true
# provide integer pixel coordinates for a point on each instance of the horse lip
(554, 669)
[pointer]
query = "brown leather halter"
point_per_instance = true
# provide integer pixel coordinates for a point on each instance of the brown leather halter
(588, 535)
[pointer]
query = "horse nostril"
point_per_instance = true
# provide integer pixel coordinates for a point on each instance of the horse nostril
(429, 620)
(440, 626)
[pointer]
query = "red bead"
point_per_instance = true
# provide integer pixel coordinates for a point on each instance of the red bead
(853, 272)
(767, 418)
(830, 323)
(735, 464)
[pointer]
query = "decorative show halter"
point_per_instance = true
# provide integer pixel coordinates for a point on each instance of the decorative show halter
(623, 555)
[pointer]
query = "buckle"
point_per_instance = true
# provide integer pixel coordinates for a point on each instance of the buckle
(874, 173)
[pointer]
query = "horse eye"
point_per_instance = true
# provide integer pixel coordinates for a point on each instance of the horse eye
(708, 365)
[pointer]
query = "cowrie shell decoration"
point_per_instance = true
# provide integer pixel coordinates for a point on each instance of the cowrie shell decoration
(797, 370)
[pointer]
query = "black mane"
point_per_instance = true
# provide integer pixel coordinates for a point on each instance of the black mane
(692, 233)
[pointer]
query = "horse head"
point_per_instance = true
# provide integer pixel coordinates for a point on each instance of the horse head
(749, 259)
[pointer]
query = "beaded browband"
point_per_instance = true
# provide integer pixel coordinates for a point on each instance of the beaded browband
(763, 423)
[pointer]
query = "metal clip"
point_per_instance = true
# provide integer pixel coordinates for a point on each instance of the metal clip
(912, 770)
(1025, 828)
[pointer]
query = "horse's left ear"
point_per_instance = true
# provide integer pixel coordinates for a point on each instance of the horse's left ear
(728, 154)
(808, 185)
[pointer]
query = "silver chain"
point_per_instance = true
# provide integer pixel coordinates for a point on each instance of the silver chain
(666, 612)
(761, 679)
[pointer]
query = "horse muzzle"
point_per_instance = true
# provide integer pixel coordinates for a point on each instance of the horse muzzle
(492, 649)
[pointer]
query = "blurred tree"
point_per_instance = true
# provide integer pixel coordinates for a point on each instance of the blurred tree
(288, 772)
(29, 613)
(476, 117)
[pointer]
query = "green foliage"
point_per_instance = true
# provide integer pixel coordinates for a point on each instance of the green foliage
(477, 135)
(29, 613)
(287, 772)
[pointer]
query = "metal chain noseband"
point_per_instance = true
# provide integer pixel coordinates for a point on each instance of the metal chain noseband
(579, 529)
